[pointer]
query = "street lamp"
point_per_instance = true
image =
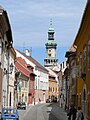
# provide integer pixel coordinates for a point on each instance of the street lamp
(11, 69)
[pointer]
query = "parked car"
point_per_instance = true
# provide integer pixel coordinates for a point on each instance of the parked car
(9, 114)
(21, 105)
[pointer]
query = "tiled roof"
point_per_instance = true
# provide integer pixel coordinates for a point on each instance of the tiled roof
(22, 61)
(33, 61)
(22, 66)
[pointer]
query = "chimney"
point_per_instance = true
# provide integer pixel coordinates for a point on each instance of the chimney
(27, 52)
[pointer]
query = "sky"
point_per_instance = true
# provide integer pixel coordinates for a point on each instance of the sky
(30, 20)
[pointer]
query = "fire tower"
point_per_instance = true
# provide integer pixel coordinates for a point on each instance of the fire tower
(51, 46)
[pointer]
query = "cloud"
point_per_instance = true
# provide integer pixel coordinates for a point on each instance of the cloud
(30, 20)
(42, 8)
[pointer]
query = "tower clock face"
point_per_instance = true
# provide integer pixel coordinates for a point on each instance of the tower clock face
(49, 50)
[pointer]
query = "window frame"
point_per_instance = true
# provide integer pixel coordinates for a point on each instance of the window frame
(89, 54)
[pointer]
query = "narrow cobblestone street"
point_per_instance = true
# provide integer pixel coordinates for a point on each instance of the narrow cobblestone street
(43, 112)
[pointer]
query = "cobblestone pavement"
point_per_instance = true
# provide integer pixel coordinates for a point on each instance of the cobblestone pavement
(57, 112)
(47, 111)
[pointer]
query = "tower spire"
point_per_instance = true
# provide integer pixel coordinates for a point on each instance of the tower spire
(51, 22)
(51, 29)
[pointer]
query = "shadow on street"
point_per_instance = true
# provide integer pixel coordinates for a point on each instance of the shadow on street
(55, 112)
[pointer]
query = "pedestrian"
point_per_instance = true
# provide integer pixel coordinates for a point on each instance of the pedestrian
(39, 100)
(65, 107)
(80, 115)
(72, 113)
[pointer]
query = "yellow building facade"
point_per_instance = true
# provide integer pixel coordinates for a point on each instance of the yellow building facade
(53, 89)
(82, 41)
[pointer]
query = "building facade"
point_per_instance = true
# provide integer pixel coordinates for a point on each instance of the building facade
(41, 78)
(79, 64)
(22, 80)
(83, 60)
(72, 74)
(5, 46)
(53, 84)
(53, 91)
(62, 84)
(25, 81)
(11, 80)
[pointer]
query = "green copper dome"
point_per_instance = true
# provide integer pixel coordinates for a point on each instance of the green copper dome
(51, 44)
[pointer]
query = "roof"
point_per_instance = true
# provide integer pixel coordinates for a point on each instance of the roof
(33, 61)
(13, 51)
(51, 76)
(51, 43)
(51, 30)
(72, 48)
(71, 51)
(9, 32)
(51, 72)
(22, 66)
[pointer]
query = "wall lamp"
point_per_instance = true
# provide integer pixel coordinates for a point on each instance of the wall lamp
(11, 69)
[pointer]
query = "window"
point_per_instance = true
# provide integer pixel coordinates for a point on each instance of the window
(80, 70)
(63, 64)
(22, 83)
(25, 98)
(50, 36)
(20, 98)
(56, 89)
(89, 54)
(85, 59)
(49, 89)
(25, 83)
(49, 55)
(53, 89)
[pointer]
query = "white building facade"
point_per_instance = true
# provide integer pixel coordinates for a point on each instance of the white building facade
(5, 46)
(41, 79)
